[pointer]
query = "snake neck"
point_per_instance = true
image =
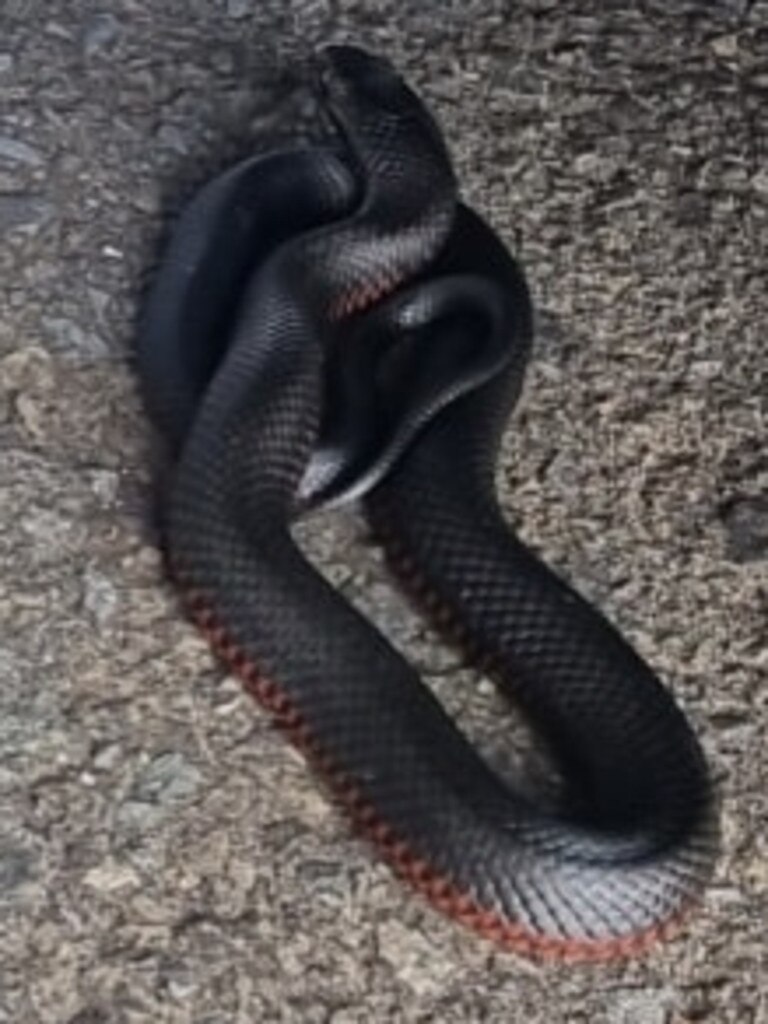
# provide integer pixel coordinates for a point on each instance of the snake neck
(407, 188)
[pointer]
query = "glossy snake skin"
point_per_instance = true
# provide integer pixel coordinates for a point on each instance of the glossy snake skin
(331, 322)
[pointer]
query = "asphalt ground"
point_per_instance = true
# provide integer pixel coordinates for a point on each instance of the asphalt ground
(164, 855)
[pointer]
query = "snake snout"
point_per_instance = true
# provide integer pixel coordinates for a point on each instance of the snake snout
(353, 82)
(359, 68)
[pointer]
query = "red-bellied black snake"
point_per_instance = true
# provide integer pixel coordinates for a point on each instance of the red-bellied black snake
(331, 322)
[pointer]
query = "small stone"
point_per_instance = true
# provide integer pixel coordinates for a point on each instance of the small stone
(90, 1015)
(550, 335)
(223, 61)
(587, 165)
(100, 301)
(633, 1007)
(170, 137)
(108, 757)
(6, 63)
(101, 31)
(111, 876)
(413, 959)
(10, 669)
(26, 369)
(147, 199)
(16, 867)
(17, 152)
(726, 47)
(67, 336)
(706, 369)
(168, 779)
(746, 529)
(31, 415)
(135, 816)
(692, 209)
(99, 596)
(22, 211)
(52, 531)
(238, 8)
(105, 484)
(57, 30)
(756, 870)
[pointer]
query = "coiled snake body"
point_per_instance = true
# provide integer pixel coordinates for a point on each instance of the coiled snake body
(333, 323)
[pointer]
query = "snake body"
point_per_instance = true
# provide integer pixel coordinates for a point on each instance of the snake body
(279, 272)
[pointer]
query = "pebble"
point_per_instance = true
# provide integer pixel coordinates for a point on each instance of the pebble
(238, 8)
(105, 484)
(110, 876)
(167, 782)
(169, 136)
(16, 866)
(18, 152)
(31, 415)
(413, 959)
(167, 779)
(634, 1007)
(746, 529)
(727, 46)
(23, 211)
(26, 369)
(67, 336)
(101, 31)
(99, 596)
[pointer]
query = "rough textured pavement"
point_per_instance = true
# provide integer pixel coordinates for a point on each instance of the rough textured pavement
(164, 856)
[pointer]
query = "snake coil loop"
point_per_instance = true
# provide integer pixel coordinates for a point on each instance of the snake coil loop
(330, 323)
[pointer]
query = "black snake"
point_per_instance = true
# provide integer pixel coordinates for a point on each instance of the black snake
(331, 322)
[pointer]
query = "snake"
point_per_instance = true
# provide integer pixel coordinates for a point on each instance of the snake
(330, 323)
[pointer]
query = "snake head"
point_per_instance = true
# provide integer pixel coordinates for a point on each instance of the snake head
(353, 81)
(380, 116)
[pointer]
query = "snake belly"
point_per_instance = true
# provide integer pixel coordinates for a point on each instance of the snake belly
(233, 354)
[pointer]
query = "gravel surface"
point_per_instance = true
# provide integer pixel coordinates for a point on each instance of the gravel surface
(164, 856)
